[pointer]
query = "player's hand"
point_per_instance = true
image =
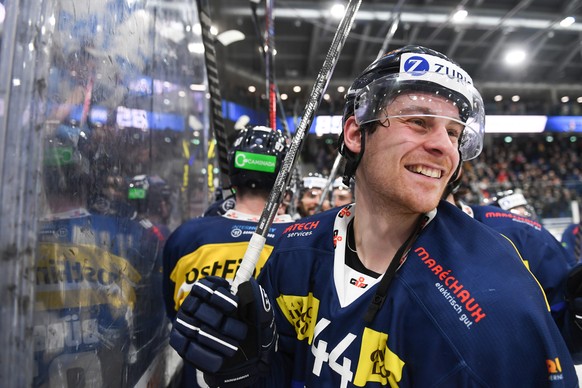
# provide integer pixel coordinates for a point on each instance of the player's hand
(231, 338)
(206, 330)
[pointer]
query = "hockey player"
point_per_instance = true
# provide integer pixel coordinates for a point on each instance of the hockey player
(572, 241)
(310, 190)
(514, 202)
(341, 194)
(151, 197)
(214, 246)
(400, 289)
(542, 253)
(95, 323)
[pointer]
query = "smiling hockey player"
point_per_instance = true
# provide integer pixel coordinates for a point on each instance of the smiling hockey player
(400, 289)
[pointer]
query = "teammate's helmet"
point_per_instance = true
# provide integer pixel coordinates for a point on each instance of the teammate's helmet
(342, 194)
(513, 201)
(66, 169)
(338, 183)
(256, 157)
(313, 180)
(414, 69)
(149, 194)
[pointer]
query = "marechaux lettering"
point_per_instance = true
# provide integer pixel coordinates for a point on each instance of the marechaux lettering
(450, 283)
(515, 217)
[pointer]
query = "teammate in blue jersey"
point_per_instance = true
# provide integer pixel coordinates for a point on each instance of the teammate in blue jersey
(514, 202)
(214, 246)
(572, 241)
(510, 214)
(399, 289)
(97, 320)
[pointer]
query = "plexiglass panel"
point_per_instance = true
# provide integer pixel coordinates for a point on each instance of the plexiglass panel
(123, 162)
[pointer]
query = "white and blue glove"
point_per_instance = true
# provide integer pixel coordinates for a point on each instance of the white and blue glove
(231, 338)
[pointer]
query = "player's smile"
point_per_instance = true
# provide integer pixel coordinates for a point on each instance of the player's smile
(425, 170)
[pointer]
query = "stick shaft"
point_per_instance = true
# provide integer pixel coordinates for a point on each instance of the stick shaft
(330, 179)
(270, 211)
(269, 63)
(214, 90)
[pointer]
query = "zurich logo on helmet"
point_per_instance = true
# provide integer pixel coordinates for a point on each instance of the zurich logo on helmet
(416, 64)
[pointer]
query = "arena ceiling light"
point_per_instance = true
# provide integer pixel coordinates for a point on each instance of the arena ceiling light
(337, 10)
(515, 57)
(567, 21)
(230, 37)
(460, 15)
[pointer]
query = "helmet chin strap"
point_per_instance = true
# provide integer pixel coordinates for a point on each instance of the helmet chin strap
(353, 161)
(452, 186)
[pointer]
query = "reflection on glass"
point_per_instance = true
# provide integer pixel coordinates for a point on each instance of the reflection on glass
(122, 167)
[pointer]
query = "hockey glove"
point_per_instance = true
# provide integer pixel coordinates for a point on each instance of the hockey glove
(206, 330)
(211, 327)
(255, 352)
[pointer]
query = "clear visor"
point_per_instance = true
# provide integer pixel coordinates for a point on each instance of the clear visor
(373, 103)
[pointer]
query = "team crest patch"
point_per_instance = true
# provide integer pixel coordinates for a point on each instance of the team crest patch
(377, 363)
(301, 312)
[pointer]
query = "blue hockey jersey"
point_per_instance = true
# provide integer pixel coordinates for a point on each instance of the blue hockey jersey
(544, 255)
(548, 261)
(98, 314)
(462, 311)
(211, 246)
(569, 241)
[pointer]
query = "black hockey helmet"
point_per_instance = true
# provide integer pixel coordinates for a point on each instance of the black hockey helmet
(513, 201)
(256, 157)
(148, 193)
(66, 167)
(409, 69)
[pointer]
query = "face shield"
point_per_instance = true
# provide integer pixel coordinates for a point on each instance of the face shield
(372, 103)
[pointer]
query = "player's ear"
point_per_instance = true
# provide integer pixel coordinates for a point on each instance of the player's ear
(352, 135)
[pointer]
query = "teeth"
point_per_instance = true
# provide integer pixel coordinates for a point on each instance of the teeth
(427, 171)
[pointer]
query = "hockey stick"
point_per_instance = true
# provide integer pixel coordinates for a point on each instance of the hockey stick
(385, 43)
(214, 90)
(270, 74)
(257, 242)
(269, 63)
(332, 175)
